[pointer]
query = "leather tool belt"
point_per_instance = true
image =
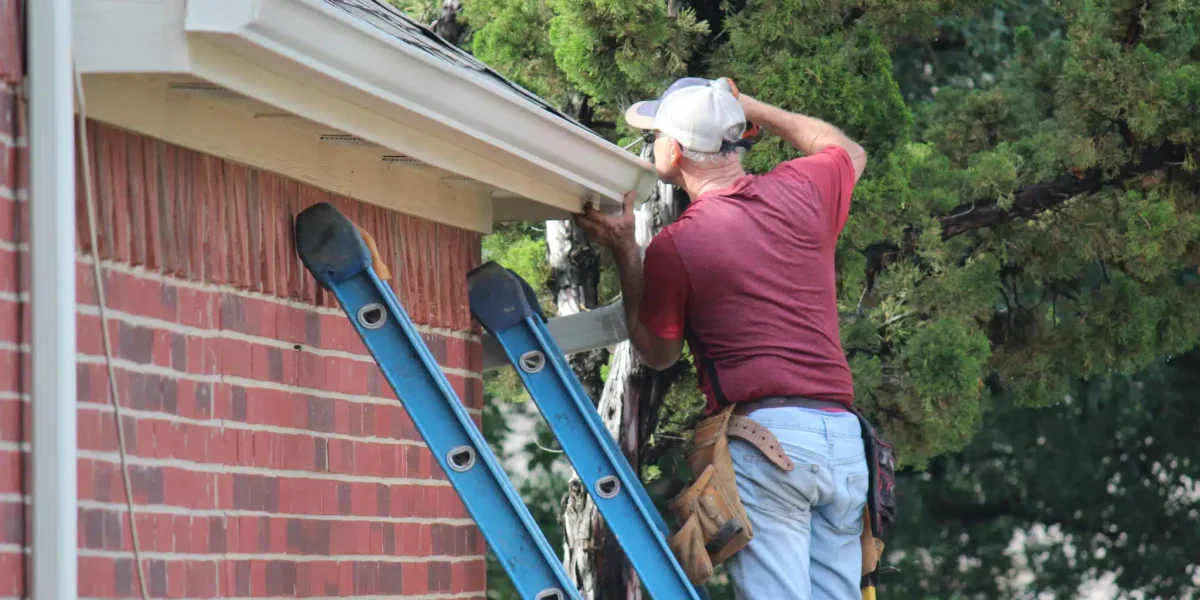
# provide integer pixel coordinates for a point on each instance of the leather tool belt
(713, 522)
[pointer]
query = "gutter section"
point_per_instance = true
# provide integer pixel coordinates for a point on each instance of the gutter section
(380, 61)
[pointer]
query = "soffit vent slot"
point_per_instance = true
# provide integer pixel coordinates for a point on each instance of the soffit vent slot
(402, 160)
(202, 89)
(347, 140)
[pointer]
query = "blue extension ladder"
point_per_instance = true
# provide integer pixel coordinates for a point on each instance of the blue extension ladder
(331, 249)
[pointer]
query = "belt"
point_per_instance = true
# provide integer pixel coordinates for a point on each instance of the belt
(745, 408)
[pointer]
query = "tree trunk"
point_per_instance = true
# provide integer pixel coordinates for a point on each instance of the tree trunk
(574, 278)
(575, 275)
(628, 401)
(447, 24)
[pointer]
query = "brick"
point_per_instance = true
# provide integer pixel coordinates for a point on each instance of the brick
(135, 343)
(119, 178)
(8, 111)
(195, 308)
(233, 313)
(439, 577)
(11, 57)
(200, 579)
(238, 410)
(8, 206)
(168, 200)
(236, 358)
(264, 534)
(239, 272)
(12, 574)
(13, 516)
(281, 578)
(11, 469)
(14, 419)
(197, 205)
(242, 584)
(321, 415)
(255, 492)
(12, 279)
(156, 577)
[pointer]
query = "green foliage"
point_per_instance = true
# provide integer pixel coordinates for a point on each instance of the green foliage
(614, 49)
(517, 247)
(1107, 475)
(989, 338)
(510, 36)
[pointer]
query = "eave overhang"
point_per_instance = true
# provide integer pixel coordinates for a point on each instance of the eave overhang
(361, 69)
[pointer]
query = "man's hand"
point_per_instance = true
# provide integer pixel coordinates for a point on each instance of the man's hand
(807, 134)
(615, 232)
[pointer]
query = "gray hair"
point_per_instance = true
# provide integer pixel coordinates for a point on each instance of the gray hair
(707, 158)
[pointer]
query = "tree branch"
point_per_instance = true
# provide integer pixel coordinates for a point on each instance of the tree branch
(1136, 26)
(1033, 199)
(853, 15)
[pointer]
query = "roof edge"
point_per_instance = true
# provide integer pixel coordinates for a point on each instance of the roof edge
(454, 91)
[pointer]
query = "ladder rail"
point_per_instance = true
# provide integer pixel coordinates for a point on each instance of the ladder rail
(502, 302)
(339, 260)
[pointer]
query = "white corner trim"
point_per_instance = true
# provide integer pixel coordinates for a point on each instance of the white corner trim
(320, 44)
(54, 572)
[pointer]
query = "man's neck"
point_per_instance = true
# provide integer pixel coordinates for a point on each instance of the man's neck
(709, 180)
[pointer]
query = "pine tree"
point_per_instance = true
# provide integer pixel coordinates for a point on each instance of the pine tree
(1029, 220)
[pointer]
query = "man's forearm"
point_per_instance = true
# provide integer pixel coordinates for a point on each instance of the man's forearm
(807, 134)
(655, 352)
(629, 272)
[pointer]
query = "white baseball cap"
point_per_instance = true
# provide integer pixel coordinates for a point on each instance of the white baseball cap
(703, 115)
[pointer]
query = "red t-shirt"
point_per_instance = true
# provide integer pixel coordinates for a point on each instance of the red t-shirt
(747, 276)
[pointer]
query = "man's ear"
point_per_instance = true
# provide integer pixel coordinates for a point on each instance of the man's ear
(675, 154)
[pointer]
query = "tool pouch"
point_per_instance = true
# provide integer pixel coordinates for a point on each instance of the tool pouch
(881, 464)
(699, 503)
(713, 521)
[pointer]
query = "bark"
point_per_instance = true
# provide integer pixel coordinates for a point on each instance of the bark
(1036, 198)
(574, 276)
(574, 279)
(629, 400)
(447, 24)
(1028, 202)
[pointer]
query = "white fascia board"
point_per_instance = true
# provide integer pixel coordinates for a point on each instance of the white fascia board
(313, 39)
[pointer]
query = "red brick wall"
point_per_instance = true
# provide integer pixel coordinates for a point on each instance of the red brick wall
(268, 455)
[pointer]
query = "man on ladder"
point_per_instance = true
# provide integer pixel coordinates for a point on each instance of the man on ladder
(746, 276)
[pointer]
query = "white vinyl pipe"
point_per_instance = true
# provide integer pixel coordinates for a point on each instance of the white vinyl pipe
(588, 330)
(52, 247)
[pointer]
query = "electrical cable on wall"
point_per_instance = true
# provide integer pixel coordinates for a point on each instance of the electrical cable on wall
(108, 355)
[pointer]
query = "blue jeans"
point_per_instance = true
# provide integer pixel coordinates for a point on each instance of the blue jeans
(807, 522)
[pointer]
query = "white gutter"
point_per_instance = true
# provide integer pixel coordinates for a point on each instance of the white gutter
(384, 66)
(52, 302)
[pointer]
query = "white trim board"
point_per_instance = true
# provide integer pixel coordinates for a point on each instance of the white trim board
(311, 59)
(245, 132)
